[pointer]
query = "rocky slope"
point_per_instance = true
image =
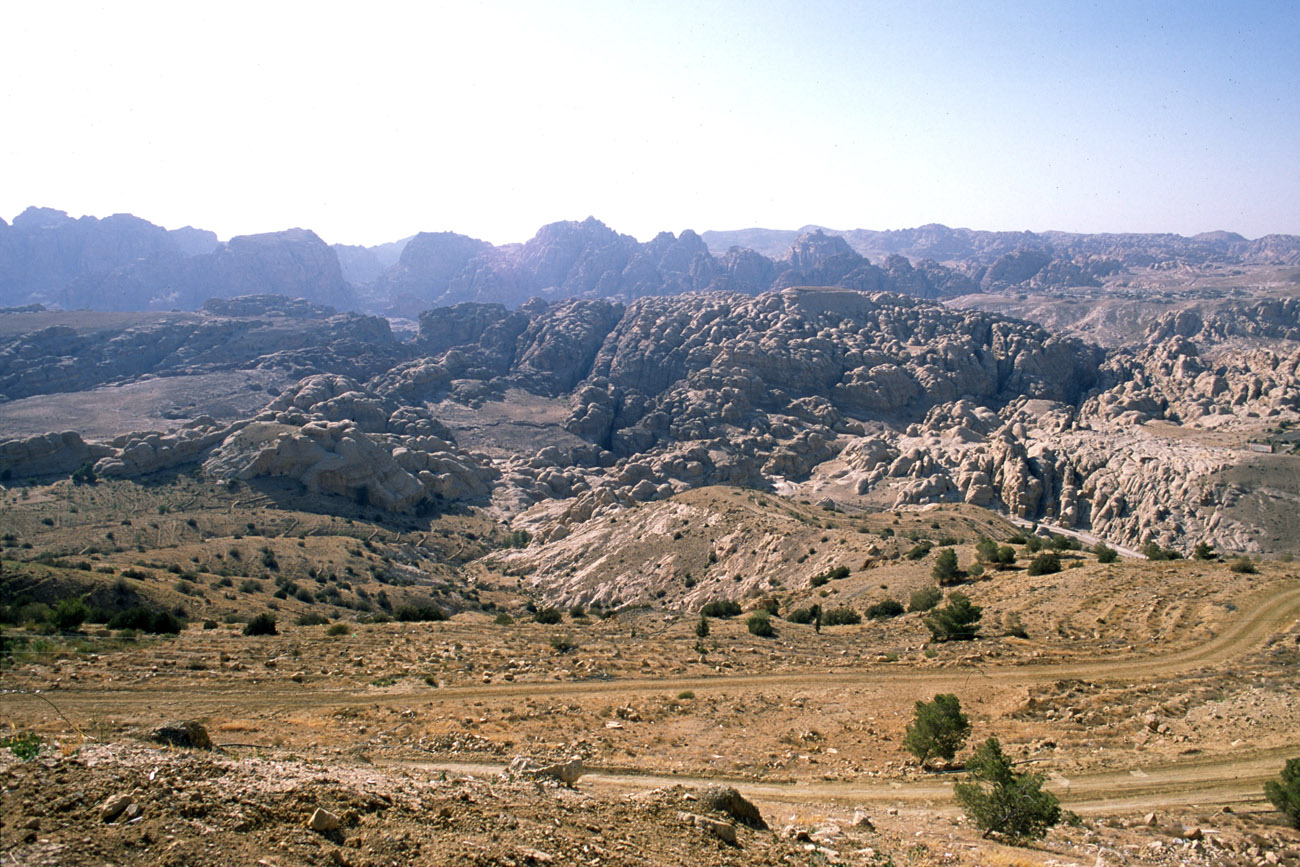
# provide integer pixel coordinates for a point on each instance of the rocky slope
(864, 400)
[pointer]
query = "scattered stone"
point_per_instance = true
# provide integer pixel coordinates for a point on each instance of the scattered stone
(114, 806)
(724, 831)
(725, 799)
(524, 767)
(323, 820)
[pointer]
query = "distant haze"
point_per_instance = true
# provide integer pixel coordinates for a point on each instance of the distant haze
(368, 124)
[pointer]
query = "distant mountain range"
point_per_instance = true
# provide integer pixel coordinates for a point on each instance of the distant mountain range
(124, 263)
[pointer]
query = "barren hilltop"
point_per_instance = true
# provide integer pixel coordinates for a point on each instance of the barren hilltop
(588, 550)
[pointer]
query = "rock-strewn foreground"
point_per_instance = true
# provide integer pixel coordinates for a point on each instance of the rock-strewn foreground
(554, 414)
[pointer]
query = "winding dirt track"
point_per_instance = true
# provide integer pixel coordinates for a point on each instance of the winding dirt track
(1218, 781)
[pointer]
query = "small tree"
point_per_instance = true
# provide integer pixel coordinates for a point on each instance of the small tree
(1000, 801)
(69, 613)
(702, 627)
(85, 474)
(1284, 792)
(1204, 551)
(956, 621)
(986, 550)
(945, 569)
(1005, 557)
(938, 728)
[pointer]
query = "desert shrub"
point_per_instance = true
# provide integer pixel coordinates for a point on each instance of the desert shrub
(210, 624)
(69, 614)
(1105, 553)
(420, 612)
(85, 474)
(1033, 544)
(166, 623)
(141, 619)
(1000, 801)
(885, 609)
(503, 619)
(842, 616)
(956, 621)
(577, 611)
(800, 615)
(924, 599)
(1061, 542)
(249, 585)
(945, 569)
(938, 728)
(1284, 792)
(311, 618)
(519, 539)
(920, 550)
(1152, 551)
(25, 745)
(720, 608)
(339, 629)
(1243, 566)
(975, 570)
(760, 623)
(1204, 551)
(562, 644)
(1045, 564)
(986, 550)
(702, 627)
(549, 616)
(262, 624)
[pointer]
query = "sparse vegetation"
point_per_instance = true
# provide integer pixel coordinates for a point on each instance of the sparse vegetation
(956, 621)
(1284, 792)
(720, 608)
(885, 609)
(760, 623)
(998, 800)
(938, 728)
(1047, 563)
(262, 624)
(842, 616)
(1105, 553)
(924, 599)
(945, 569)
(1242, 566)
(548, 616)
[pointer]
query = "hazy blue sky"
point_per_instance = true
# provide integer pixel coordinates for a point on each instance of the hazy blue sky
(369, 122)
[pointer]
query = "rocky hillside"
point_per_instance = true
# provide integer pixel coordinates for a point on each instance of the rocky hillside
(552, 414)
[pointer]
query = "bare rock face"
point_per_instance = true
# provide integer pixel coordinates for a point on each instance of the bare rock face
(46, 454)
(336, 437)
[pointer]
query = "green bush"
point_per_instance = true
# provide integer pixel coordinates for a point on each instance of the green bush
(503, 619)
(924, 599)
(262, 624)
(311, 618)
(1000, 801)
(1045, 564)
(339, 629)
(956, 621)
(1204, 551)
(25, 745)
(720, 608)
(421, 612)
(986, 550)
(1243, 566)
(885, 609)
(1105, 553)
(1152, 551)
(69, 613)
(141, 619)
(842, 616)
(548, 616)
(1033, 544)
(801, 615)
(945, 569)
(562, 644)
(702, 627)
(1284, 792)
(920, 550)
(760, 623)
(938, 728)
